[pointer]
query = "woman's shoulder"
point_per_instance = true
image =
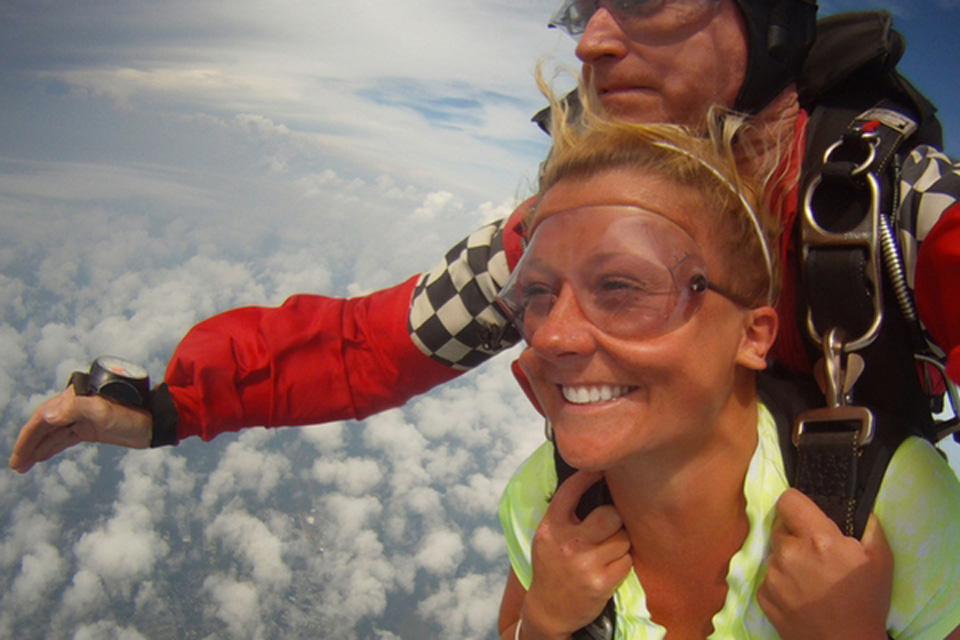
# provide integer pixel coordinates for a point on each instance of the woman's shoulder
(919, 508)
(919, 466)
(920, 493)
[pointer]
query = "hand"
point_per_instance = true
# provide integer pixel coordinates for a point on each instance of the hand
(68, 419)
(821, 583)
(576, 565)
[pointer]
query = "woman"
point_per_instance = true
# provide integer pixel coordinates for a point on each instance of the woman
(644, 297)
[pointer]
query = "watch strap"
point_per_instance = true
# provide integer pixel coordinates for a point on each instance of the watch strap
(80, 382)
(164, 413)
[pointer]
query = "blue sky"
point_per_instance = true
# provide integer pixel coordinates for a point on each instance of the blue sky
(163, 161)
(932, 58)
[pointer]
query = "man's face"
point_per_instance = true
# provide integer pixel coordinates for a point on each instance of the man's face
(671, 68)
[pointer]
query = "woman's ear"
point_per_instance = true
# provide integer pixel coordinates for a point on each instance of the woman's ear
(760, 330)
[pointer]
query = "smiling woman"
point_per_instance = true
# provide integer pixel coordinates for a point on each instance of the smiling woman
(644, 297)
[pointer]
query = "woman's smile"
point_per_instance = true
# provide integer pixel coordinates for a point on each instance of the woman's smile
(594, 393)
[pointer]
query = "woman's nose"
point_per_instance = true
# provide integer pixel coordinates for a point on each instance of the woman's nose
(566, 330)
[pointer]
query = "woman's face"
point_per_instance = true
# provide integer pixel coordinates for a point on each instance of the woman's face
(614, 388)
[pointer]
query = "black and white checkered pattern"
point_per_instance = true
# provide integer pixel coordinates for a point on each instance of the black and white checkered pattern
(453, 317)
(929, 185)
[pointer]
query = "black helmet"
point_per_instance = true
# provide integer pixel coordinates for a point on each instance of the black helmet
(779, 34)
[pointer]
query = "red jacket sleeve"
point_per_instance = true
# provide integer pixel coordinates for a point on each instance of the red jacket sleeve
(938, 286)
(313, 359)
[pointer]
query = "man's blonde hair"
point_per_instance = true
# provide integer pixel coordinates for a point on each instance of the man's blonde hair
(586, 143)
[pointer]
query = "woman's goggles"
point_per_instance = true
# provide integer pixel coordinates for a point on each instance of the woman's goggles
(651, 16)
(633, 273)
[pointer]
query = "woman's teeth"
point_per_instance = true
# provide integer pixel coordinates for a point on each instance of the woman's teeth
(595, 393)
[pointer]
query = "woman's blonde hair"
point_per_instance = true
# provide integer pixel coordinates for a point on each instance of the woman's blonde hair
(585, 143)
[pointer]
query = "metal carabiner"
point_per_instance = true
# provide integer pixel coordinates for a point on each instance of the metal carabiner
(865, 236)
(872, 141)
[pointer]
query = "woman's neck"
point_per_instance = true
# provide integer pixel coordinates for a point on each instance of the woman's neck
(686, 521)
(670, 498)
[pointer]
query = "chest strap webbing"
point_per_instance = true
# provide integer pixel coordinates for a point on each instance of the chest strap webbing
(866, 340)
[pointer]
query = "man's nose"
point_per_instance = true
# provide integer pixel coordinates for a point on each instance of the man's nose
(602, 38)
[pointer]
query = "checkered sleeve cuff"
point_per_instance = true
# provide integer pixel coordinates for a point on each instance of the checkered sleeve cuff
(453, 317)
(929, 185)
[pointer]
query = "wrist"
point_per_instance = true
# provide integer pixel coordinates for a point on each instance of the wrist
(534, 627)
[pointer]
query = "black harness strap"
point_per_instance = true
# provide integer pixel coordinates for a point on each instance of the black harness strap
(604, 627)
(829, 478)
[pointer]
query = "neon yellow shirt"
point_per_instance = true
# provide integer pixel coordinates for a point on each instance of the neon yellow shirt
(918, 506)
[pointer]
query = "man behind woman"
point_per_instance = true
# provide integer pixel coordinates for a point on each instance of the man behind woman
(645, 297)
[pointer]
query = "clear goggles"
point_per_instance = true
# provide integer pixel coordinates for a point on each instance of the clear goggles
(632, 272)
(649, 16)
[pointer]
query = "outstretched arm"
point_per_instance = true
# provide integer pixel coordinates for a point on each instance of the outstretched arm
(314, 359)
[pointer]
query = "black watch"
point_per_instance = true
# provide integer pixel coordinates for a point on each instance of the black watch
(116, 379)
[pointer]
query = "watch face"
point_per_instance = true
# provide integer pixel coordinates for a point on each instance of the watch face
(121, 367)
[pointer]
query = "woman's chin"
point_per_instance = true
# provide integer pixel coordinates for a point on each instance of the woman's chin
(585, 458)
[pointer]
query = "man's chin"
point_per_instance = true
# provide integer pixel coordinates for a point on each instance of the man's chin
(640, 106)
(635, 106)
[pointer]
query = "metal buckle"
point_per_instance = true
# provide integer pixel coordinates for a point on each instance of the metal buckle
(860, 415)
(837, 386)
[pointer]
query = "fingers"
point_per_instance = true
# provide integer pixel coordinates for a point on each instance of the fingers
(55, 442)
(800, 516)
(602, 523)
(49, 418)
(563, 506)
(59, 423)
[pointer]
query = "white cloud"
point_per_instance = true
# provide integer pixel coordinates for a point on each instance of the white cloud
(466, 607)
(124, 549)
(441, 552)
(27, 528)
(236, 604)
(350, 515)
(252, 540)
(84, 595)
(326, 438)
(353, 476)
(435, 204)
(40, 571)
(244, 467)
(489, 543)
(106, 631)
(72, 477)
(28, 553)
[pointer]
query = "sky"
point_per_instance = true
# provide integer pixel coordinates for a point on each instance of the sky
(164, 161)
